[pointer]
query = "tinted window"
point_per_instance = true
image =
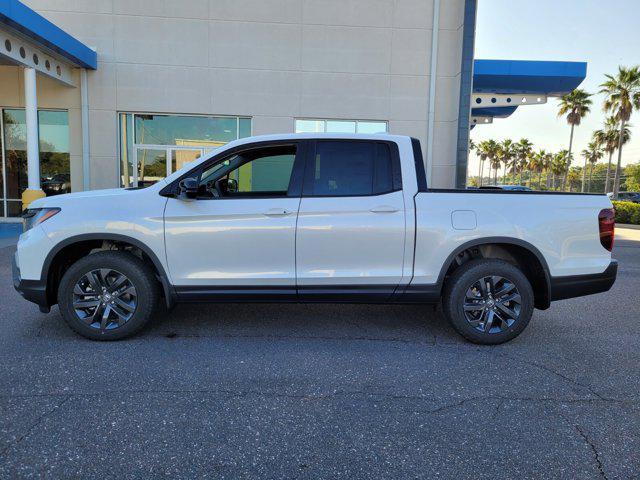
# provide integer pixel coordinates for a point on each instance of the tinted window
(255, 172)
(350, 168)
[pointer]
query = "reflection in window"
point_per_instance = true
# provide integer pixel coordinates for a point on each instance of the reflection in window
(55, 178)
(256, 172)
(152, 166)
(186, 138)
(340, 126)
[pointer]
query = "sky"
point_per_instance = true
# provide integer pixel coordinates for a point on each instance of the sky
(604, 34)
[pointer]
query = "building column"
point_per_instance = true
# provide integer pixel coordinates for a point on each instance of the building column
(33, 191)
(84, 100)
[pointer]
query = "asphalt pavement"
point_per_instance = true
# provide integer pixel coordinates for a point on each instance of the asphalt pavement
(325, 391)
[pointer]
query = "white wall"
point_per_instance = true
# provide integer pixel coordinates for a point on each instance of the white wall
(273, 60)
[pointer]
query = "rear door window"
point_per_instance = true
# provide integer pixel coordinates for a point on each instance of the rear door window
(350, 168)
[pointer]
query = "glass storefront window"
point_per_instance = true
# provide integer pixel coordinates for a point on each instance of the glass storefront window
(55, 174)
(340, 126)
(182, 138)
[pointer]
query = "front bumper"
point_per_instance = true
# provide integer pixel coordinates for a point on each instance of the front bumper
(581, 285)
(33, 290)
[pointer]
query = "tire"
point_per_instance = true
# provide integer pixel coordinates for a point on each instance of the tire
(469, 308)
(128, 311)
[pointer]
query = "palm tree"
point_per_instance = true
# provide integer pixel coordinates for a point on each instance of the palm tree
(575, 106)
(541, 162)
(591, 154)
(609, 139)
(483, 150)
(622, 97)
(559, 165)
(522, 151)
(493, 150)
(535, 166)
(547, 160)
(506, 154)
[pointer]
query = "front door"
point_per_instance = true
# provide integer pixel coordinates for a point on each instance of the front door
(238, 236)
(351, 222)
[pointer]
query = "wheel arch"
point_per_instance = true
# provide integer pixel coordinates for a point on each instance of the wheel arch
(85, 243)
(525, 255)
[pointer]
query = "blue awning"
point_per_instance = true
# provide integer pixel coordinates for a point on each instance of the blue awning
(524, 77)
(41, 31)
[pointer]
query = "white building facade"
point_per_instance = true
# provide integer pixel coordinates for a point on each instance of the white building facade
(176, 79)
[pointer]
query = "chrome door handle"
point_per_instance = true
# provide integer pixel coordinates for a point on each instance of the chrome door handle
(384, 209)
(276, 212)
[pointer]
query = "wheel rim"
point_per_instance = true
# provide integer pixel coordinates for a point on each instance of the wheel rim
(104, 299)
(492, 304)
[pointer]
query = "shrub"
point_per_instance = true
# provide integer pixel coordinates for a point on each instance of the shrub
(627, 212)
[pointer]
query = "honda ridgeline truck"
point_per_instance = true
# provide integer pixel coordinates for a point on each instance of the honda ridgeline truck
(312, 218)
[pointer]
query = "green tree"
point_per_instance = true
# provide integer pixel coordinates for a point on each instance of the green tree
(574, 178)
(622, 97)
(486, 150)
(522, 153)
(537, 164)
(506, 154)
(591, 155)
(632, 174)
(575, 106)
(608, 138)
(559, 164)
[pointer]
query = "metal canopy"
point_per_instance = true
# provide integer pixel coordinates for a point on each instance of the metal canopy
(17, 18)
(495, 81)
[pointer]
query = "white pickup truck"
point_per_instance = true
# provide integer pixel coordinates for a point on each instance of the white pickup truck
(312, 218)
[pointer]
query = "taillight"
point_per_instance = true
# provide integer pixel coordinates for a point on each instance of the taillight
(606, 223)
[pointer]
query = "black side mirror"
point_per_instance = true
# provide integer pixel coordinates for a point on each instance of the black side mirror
(232, 185)
(188, 188)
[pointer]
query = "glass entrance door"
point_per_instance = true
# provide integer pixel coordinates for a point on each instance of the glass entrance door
(155, 162)
(55, 175)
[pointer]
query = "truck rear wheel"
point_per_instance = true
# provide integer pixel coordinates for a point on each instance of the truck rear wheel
(108, 295)
(488, 301)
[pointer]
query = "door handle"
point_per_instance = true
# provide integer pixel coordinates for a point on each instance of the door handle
(384, 209)
(276, 212)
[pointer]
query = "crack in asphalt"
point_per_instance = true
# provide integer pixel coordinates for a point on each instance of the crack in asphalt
(38, 421)
(500, 399)
(596, 454)
(590, 444)
(559, 375)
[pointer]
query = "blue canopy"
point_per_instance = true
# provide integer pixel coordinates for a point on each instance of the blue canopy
(41, 31)
(524, 77)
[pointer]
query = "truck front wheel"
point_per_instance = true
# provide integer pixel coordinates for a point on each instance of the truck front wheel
(488, 301)
(108, 295)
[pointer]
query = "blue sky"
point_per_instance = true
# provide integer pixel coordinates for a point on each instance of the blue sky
(603, 34)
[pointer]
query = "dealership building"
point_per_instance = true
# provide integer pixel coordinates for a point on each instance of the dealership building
(108, 93)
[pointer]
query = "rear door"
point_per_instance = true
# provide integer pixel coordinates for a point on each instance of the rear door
(350, 237)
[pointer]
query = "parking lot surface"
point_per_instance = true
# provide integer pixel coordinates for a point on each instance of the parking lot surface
(325, 391)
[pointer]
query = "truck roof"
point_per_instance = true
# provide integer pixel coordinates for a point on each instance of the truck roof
(299, 136)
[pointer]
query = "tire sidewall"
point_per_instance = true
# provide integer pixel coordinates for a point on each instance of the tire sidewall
(127, 264)
(464, 277)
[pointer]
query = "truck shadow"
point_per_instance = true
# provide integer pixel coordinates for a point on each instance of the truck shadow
(400, 323)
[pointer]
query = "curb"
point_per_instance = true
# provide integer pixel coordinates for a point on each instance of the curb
(628, 225)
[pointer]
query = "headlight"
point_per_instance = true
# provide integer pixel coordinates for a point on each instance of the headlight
(35, 216)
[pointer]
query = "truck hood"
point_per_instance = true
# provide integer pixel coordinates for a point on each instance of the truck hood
(67, 198)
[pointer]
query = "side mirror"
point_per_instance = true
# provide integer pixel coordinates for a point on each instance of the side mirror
(232, 185)
(188, 188)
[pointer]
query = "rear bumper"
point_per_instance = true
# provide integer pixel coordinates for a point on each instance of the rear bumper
(33, 290)
(581, 285)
